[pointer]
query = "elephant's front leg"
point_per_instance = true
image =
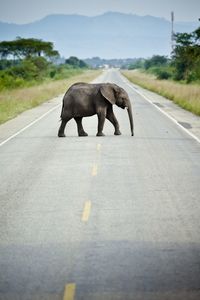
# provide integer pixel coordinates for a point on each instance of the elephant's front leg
(111, 117)
(81, 131)
(101, 120)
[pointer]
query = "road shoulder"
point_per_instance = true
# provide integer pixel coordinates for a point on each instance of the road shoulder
(27, 118)
(187, 120)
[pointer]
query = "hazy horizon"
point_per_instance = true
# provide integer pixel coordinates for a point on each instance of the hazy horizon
(95, 15)
(185, 11)
(106, 36)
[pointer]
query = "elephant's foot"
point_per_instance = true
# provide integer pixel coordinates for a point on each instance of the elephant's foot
(117, 132)
(61, 134)
(82, 133)
(100, 134)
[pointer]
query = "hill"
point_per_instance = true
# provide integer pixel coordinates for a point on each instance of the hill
(111, 35)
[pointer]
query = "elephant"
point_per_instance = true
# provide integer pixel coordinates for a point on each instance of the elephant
(87, 99)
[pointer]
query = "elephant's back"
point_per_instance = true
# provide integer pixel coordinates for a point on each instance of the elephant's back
(79, 100)
(82, 89)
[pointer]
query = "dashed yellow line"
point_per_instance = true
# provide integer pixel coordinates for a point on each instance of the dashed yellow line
(69, 292)
(98, 147)
(94, 170)
(70, 288)
(86, 211)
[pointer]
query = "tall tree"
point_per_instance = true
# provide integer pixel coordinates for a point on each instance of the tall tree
(25, 48)
(186, 55)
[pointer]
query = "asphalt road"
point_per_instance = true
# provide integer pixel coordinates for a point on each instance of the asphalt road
(101, 218)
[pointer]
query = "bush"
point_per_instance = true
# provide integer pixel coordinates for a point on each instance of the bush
(4, 63)
(24, 73)
(26, 70)
(34, 70)
(40, 62)
(163, 75)
(20, 75)
(165, 72)
(162, 72)
(9, 82)
(194, 74)
(155, 61)
(52, 73)
(74, 62)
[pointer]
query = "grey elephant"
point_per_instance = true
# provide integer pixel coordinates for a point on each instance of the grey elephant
(84, 100)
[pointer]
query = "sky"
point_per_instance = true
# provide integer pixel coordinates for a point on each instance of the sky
(26, 11)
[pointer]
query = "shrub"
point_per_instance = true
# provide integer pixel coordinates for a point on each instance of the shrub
(155, 61)
(165, 72)
(162, 74)
(9, 82)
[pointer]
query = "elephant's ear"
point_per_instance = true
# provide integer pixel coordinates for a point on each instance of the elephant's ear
(108, 93)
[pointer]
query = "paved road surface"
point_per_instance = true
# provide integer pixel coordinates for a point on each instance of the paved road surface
(101, 218)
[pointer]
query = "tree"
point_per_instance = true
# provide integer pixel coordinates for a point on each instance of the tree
(75, 62)
(26, 48)
(155, 61)
(136, 64)
(186, 56)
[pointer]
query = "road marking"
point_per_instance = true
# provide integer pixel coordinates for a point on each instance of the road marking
(29, 125)
(69, 292)
(162, 111)
(98, 147)
(94, 170)
(86, 211)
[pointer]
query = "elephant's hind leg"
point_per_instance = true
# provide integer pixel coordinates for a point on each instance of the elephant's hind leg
(81, 131)
(62, 127)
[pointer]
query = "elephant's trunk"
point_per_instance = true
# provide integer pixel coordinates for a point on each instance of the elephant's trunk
(129, 110)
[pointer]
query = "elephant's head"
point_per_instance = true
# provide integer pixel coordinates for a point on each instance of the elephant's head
(117, 95)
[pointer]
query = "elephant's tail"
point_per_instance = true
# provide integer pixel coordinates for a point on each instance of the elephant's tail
(61, 115)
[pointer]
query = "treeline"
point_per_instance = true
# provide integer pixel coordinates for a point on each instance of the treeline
(184, 64)
(97, 62)
(25, 62)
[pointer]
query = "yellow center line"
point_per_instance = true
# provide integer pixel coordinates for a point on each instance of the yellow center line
(94, 170)
(86, 211)
(69, 292)
(98, 147)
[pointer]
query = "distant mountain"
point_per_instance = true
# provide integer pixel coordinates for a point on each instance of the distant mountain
(111, 35)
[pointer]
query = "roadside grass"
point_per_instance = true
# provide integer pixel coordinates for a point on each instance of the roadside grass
(185, 95)
(14, 102)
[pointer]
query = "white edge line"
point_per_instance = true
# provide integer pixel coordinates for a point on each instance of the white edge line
(29, 125)
(162, 111)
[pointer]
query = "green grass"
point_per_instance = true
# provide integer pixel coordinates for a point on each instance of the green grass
(185, 95)
(14, 102)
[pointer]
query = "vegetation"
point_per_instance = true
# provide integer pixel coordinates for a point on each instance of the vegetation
(75, 62)
(29, 75)
(177, 78)
(186, 56)
(27, 62)
(158, 65)
(24, 48)
(13, 102)
(97, 62)
(184, 64)
(185, 95)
